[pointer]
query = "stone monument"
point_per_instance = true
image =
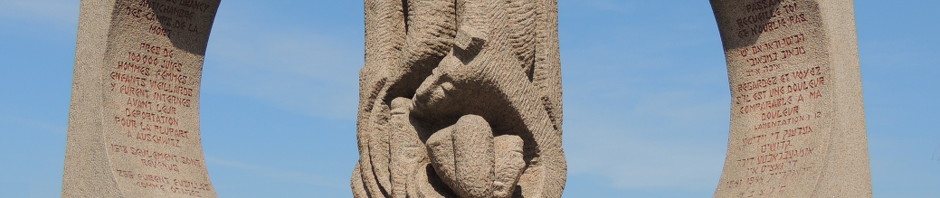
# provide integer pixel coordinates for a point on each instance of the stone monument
(797, 121)
(460, 99)
(134, 117)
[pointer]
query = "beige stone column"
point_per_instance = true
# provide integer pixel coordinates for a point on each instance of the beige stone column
(134, 117)
(797, 119)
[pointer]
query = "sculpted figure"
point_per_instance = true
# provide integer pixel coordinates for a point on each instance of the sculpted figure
(460, 99)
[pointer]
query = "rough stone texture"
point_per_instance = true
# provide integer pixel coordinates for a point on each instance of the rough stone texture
(134, 118)
(460, 99)
(797, 123)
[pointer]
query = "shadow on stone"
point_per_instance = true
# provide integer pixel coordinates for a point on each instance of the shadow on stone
(190, 35)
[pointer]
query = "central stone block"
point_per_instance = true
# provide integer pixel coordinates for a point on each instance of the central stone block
(460, 99)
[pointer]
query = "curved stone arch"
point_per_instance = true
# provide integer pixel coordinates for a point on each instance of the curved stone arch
(134, 118)
(797, 123)
(793, 67)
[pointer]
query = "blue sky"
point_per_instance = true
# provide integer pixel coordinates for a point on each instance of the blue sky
(646, 98)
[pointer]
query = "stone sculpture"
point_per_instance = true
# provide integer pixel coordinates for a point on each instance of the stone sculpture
(134, 118)
(797, 122)
(460, 99)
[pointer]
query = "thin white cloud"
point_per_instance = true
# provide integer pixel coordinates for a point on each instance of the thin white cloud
(292, 67)
(638, 163)
(652, 143)
(286, 175)
(936, 155)
(35, 124)
(56, 12)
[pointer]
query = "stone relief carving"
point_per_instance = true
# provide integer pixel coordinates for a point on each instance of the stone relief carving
(460, 99)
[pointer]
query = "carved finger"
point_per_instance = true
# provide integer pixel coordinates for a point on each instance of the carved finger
(406, 147)
(509, 164)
